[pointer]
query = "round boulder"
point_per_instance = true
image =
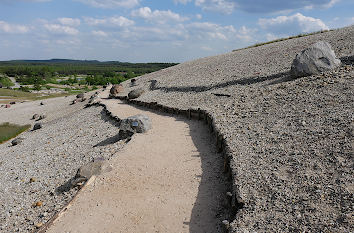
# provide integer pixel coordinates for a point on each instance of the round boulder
(116, 89)
(135, 93)
(318, 58)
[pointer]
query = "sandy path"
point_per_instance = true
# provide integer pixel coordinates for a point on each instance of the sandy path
(166, 180)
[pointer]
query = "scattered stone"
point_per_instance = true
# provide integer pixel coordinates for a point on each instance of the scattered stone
(38, 225)
(7, 106)
(42, 103)
(80, 96)
(41, 117)
(37, 126)
(37, 204)
(17, 141)
(318, 58)
(136, 124)
(32, 180)
(135, 93)
(12, 102)
(35, 116)
(115, 90)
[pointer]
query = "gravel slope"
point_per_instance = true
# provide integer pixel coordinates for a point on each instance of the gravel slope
(291, 140)
(34, 170)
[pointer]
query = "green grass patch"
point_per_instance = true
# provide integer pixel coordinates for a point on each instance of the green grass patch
(8, 95)
(282, 39)
(6, 82)
(8, 131)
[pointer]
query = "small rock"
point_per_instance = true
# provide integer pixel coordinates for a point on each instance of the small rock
(17, 141)
(38, 225)
(35, 116)
(37, 126)
(135, 93)
(85, 172)
(38, 204)
(32, 180)
(80, 96)
(42, 103)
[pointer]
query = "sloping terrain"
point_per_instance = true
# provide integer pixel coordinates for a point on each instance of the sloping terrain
(291, 140)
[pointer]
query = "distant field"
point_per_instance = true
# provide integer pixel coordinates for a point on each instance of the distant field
(8, 131)
(8, 95)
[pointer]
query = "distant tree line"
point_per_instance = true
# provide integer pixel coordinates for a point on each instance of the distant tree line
(50, 69)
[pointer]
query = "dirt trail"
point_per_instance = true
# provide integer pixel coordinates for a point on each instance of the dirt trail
(166, 180)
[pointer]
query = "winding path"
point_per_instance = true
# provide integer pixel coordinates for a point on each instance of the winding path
(166, 180)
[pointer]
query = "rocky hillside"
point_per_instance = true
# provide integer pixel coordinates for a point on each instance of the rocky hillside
(291, 139)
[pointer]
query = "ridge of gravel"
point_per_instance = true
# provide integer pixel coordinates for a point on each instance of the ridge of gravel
(291, 141)
(39, 169)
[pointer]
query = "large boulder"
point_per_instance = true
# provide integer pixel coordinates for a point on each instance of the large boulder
(116, 89)
(135, 93)
(136, 124)
(318, 58)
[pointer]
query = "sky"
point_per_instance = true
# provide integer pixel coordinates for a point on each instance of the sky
(156, 30)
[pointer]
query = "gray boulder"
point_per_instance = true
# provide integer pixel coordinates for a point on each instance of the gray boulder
(135, 93)
(37, 126)
(136, 124)
(318, 58)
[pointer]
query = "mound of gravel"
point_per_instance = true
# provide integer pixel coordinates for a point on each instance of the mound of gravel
(35, 174)
(291, 140)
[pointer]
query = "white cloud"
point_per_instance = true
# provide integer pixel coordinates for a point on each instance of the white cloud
(60, 29)
(223, 6)
(111, 4)
(199, 16)
(157, 15)
(99, 33)
(211, 31)
(114, 21)
(69, 21)
(12, 28)
(246, 34)
(290, 25)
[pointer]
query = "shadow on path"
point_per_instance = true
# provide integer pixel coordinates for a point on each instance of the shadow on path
(210, 207)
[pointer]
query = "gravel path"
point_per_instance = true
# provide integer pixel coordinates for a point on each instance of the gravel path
(166, 180)
(291, 140)
(33, 171)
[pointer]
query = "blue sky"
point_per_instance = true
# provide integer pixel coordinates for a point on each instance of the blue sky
(156, 30)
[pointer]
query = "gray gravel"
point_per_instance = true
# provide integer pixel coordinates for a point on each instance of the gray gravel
(291, 140)
(36, 170)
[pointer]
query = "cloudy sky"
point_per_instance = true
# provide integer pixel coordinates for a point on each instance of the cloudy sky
(156, 30)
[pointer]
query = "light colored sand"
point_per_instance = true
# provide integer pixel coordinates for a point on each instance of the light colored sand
(166, 180)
